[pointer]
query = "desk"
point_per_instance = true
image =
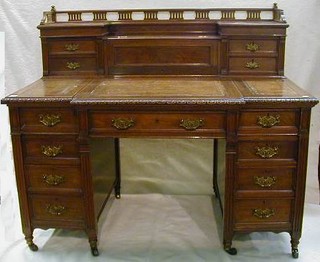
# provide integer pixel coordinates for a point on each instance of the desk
(215, 79)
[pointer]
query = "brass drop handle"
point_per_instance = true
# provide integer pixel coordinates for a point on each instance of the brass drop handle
(263, 213)
(252, 47)
(268, 121)
(71, 47)
(49, 120)
(267, 151)
(122, 123)
(56, 210)
(265, 181)
(53, 180)
(252, 64)
(73, 65)
(191, 124)
(51, 151)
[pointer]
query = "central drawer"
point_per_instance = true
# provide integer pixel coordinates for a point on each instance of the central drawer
(157, 124)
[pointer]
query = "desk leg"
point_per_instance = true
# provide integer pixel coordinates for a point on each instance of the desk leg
(215, 168)
(117, 185)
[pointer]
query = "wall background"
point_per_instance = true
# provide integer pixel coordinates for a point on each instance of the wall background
(145, 169)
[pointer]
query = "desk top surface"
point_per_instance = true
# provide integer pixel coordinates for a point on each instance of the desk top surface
(160, 91)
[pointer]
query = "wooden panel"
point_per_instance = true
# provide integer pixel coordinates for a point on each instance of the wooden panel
(48, 120)
(179, 56)
(265, 179)
(74, 46)
(245, 210)
(42, 177)
(157, 123)
(240, 65)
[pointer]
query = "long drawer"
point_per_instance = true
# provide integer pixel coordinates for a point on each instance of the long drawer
(185, 124)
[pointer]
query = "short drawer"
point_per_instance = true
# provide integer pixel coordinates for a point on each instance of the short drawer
(269, 121)
(50, 149)
(57, 208)
(73, 65)
(262, 210)
(256, 65)
(250, 46)
(43, 177)
(265, 179)
(48, 120)
(72, 47)
(267, 150)
(157, 123)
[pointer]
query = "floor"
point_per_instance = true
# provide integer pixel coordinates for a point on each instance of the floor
(156, 227)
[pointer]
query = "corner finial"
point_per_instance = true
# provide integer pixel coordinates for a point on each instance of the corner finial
(275, 6)
(53, 9)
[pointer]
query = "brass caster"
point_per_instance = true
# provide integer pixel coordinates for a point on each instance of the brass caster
(95, 251)
(118, 196)
(231, 251)
(33, 247)
(295, 253)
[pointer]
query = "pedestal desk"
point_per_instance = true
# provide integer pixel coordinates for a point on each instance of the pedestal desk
(144, 75)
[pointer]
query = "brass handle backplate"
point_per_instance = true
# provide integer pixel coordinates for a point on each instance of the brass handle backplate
(268, 121)
(56, 210)
(71, 47)
(122, 123)
(263, 213)
(252, 47)
(189, 124)
(252, 64)
(267, 151)
(51, 151)
(53, 180)
(73, 65)
(49, 120)
(265, 181)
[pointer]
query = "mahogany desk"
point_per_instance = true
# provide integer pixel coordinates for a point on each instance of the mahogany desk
(220, 79)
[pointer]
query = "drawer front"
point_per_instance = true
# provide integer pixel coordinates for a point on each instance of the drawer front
(256, 65)
(271, 150)
(269, 121)
(49, 149)
(250, 46)
(41, 177)
(48, 120)
(262, 211)
(155, 123)
(265, 179)
(73, 65)
(72, 47)
(57, 208)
